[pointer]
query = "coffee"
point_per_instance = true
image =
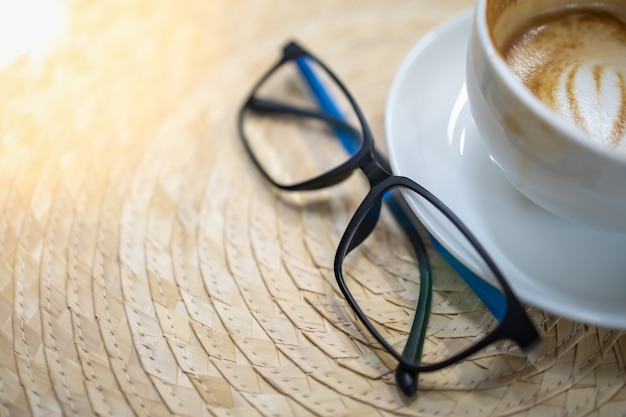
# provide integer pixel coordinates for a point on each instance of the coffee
(575, 62)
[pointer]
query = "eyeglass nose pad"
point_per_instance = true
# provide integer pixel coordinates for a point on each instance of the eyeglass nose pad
(366, 226)
(406, 381)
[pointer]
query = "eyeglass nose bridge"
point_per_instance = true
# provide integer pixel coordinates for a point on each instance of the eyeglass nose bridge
(373, 170)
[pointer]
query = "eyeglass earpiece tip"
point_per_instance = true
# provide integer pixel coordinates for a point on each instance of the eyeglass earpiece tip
(407, 382)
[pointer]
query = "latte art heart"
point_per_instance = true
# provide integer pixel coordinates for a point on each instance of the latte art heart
(594, 97)
(576, 64)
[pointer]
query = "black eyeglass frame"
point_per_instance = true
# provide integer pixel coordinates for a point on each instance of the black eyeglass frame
(515, 325)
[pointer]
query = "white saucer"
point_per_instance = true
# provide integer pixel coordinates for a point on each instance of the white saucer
(571, 270)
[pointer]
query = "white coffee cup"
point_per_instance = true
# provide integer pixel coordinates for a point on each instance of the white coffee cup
(550, 159)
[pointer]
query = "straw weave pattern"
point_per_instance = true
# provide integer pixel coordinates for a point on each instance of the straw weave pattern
(146, 269)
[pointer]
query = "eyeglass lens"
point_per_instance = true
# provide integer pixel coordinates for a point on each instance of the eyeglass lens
(295, 148)
(387, 293)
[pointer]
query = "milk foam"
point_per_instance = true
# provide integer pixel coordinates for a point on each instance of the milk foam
(592, 96)
(576, 64)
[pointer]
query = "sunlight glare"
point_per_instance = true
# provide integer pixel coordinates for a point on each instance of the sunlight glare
(457, 108)
(29, 27)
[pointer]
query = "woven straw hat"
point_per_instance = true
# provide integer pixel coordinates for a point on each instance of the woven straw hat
(146, 269)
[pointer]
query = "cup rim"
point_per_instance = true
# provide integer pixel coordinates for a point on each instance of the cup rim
(540, 109)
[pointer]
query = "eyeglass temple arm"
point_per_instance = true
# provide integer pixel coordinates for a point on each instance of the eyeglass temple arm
(327, 104)
(406, 379)
(276, 107)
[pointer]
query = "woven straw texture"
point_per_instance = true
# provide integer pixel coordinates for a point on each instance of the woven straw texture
(146, 269)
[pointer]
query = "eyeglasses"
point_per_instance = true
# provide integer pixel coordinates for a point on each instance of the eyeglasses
(295, 147)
